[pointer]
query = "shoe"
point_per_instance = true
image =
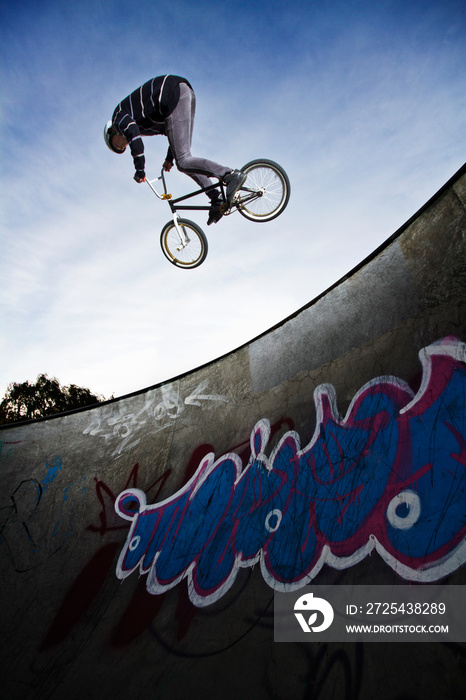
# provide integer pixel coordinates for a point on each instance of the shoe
(233, 181)
(215, 211)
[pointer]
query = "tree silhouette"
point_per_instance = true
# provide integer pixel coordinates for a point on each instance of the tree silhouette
(45, 397)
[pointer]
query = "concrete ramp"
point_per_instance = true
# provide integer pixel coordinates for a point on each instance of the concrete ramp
(142, 540)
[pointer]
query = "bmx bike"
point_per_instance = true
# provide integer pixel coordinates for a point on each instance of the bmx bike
(263, 196)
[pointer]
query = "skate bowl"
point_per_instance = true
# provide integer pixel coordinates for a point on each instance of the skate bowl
(143, 539)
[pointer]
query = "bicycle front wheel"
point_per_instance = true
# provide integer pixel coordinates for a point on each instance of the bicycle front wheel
(186, 247)
(266, 191)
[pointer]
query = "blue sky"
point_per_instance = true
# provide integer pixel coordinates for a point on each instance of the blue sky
(363, 103)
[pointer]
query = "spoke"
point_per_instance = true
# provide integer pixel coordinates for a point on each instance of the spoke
(185, 249)
(267, 183)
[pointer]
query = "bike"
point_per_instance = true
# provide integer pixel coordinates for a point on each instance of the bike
(263, 196)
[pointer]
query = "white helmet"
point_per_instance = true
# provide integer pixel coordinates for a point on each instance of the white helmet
(110, 131)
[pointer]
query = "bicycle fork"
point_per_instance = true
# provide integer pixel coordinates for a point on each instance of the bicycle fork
(184, 238)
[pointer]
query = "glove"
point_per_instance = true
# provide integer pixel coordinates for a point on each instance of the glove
(139, 176)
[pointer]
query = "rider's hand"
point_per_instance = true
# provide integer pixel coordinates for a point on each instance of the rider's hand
(167, 166)
(139, 178)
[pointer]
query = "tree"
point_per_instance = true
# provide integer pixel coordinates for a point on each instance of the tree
(46, 397)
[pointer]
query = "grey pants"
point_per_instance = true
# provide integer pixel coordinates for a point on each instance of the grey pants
(179, 129)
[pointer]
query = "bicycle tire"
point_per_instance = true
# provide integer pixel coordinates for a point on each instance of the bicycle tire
(266, 191)
(188, 254)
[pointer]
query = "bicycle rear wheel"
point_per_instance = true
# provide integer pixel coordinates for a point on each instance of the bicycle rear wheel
(185, 251)
(266, 191)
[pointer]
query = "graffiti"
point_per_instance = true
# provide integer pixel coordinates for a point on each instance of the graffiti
(389, 477)
(90, 581)
(52, 472)
(5, 450)
(19, 538)
(124, 429)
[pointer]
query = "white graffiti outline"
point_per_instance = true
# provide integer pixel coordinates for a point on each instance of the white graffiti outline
(162, 414)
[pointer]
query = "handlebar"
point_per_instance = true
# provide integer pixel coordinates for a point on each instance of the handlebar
(165, 195)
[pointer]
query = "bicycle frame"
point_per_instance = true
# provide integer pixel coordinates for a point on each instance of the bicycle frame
(184, 240)
(174, 203)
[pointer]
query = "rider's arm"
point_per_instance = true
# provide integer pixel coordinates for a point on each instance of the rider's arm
(136, 145)
(168, 165)
(130, 129)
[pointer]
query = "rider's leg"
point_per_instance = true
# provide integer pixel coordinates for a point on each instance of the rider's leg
(179, 129)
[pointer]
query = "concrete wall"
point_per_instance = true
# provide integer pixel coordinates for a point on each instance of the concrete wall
(362, 391)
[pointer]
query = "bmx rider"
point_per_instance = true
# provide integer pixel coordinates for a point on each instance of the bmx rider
(166, 105)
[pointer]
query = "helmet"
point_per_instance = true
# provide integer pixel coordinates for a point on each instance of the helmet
(110, 131)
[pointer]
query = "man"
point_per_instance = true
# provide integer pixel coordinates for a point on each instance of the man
(166, 105)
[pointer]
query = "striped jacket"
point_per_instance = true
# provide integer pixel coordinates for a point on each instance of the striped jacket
(143, 113)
